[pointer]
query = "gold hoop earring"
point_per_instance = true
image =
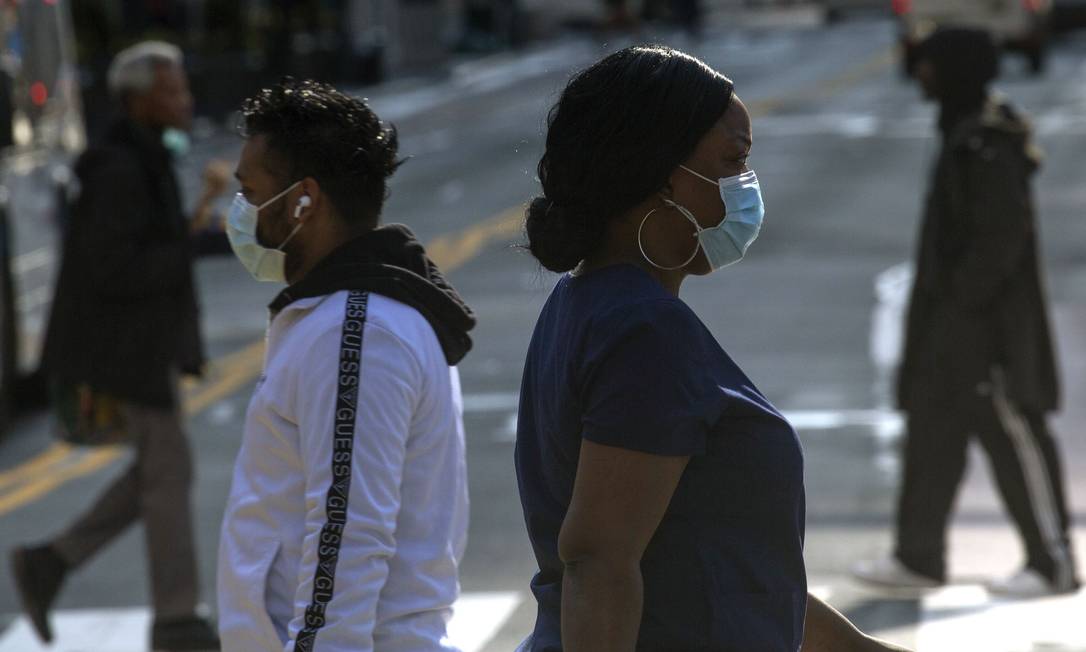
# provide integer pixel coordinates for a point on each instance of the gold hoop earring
(684, 213)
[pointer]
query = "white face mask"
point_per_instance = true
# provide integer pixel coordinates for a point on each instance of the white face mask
(263, 263)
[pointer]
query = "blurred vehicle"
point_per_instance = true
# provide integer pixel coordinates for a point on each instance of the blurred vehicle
(1068, 15)
(41, 130)
(836, 10)
(1020, 25)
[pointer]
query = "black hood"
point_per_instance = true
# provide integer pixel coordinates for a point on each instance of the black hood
(391, 262)
(966, 61)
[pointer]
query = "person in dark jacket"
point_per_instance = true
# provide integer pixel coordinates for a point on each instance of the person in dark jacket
(125, 323)
(978, 351)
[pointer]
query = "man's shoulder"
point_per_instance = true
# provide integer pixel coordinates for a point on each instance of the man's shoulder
(107, 156)
(330, 311)
(397, 322)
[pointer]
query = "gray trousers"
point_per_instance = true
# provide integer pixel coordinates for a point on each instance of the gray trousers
(155, 488)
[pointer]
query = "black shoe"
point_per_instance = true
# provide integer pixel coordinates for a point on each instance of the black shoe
(39, 572)
(193, 634)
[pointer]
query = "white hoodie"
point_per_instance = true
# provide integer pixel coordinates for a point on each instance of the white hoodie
(346, 535)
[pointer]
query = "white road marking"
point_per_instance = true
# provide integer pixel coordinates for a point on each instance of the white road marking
(961, 617)
(507, 433)
(477, 77)
(34, 299)
(1053, 122)
(491, 402)
(967, 618)
(99, 630)
(879, 420)
(24, 264)
(892, 288)
(477, 619)
(223, 412)
(31, 260)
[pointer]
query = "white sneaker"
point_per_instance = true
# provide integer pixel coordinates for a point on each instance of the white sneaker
(1026, 583)
(889, 572)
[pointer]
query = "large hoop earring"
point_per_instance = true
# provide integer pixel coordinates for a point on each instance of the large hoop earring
(641, 227)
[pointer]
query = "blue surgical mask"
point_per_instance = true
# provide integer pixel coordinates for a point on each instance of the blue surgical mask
(263, 263)
(727, 242)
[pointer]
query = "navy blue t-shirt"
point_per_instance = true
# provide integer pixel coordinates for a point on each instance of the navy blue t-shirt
(619, 361)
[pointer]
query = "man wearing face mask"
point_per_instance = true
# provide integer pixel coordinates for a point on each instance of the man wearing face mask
(978, 358)
(348, 511)
(125, 324)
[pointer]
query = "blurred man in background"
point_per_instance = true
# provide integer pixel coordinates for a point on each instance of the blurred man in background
(978, 352)
(125, 323)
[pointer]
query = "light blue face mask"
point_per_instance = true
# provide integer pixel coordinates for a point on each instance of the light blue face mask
(177, 141)
(727, 242)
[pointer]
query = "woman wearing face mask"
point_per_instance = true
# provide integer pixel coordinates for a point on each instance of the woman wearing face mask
(662, 492)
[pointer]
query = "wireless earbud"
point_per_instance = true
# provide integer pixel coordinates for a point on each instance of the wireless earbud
(303, 202)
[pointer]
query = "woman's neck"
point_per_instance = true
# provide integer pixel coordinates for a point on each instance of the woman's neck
(671, 280)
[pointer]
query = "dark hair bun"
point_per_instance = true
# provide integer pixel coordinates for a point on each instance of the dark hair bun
(558, 237)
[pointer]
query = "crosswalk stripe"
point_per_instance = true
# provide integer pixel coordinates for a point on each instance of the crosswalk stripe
(104, 630)
(959, 617)
(966, 617)
(477, 619)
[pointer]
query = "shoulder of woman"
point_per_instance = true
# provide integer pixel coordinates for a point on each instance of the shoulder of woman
(668, 318)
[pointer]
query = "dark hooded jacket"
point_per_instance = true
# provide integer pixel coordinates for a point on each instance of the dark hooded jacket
(978, 299)
(390, 261)
(124, 318)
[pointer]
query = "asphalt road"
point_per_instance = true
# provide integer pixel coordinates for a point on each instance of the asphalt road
(842, 146)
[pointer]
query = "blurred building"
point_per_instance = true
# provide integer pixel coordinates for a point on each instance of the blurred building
(235, 46)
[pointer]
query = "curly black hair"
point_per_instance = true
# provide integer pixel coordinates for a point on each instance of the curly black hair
(313, 130)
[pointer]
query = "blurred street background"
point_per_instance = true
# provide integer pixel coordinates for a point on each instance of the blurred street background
(842, 145)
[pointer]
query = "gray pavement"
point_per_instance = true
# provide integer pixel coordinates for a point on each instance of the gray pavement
(842, 147)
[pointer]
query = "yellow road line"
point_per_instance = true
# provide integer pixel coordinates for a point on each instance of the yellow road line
(241, 369)
(62, 463)
(450, 252)
(29, 492)
(55, 466)
(35, 466)
(824, 89)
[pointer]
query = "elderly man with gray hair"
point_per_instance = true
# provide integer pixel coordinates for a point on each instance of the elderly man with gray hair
(123, 328)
